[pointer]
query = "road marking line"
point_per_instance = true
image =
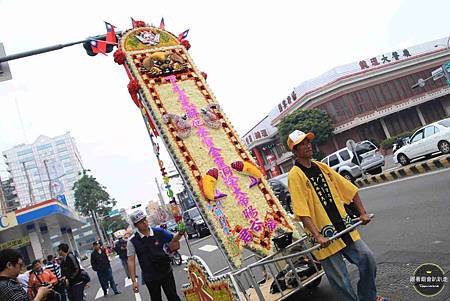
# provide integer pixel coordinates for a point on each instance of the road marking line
(137, 296)
(127, 282)
(99, 293)
(200, 240)
(406, 179)
(208, 248)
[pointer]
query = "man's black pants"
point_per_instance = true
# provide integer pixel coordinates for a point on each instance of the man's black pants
(168, 285)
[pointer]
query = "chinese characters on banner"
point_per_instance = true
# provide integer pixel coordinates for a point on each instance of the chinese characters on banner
(384, 59)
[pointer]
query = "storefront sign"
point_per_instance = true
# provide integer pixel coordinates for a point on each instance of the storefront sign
(384, 59)
(7, 221)
(15, 243)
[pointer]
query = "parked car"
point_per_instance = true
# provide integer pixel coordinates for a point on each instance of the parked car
(279, 185)
(195, 225)
(400, 142)
(430, 139)
(171, 226)
(345, 161)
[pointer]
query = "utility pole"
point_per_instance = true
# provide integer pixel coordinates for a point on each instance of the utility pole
(49, 180)
(30, 189)
(97, 226)
(161, 198)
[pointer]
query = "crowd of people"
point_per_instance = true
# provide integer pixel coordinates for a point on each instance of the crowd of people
(55, 278)
(61, 277)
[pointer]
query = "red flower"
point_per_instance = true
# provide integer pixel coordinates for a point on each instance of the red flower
(205, 76)
(186, 44)
(139, 23)
(133, 87)
(119, 57)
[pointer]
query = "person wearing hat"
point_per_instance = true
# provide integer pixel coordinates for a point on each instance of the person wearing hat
(148, 244)
(318, 194)
(100, 263)
(120, 246)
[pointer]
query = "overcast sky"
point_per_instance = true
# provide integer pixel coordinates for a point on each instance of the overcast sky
(254, 53)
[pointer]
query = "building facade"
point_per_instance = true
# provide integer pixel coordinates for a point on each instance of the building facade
(83, 236)
(45, 169)
(369, 99)
(8, 196)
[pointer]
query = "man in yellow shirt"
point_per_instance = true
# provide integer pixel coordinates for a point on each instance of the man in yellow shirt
(318, 195)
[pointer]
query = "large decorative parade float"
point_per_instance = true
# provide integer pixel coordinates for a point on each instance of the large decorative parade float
(228, 188)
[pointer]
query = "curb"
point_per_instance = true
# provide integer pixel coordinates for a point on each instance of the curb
(403, 172)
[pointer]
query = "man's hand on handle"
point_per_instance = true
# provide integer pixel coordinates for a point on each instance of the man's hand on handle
(323, 241)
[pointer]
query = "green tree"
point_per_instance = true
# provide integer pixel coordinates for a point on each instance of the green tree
(90, 196)
(114, 223)
(308, 120)
(91, 199)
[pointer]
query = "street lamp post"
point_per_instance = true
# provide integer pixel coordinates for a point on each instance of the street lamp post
(438, 73)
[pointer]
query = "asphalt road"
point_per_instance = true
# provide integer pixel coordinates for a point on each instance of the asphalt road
(410, 228)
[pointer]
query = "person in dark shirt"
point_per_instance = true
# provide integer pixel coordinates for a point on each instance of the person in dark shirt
(10, 290)
(71, 272)
(147, 243)
(121, 249)
(100, 263)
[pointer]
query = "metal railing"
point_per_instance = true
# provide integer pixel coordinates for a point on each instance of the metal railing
(267, 262)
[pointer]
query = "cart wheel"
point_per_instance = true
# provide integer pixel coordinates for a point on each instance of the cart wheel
(177, 258)
(315, 283)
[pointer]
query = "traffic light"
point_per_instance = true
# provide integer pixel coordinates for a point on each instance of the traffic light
(88, 48)
(135, 206)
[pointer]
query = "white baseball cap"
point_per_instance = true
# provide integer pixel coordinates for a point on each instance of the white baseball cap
(298, 136)
(137, 216)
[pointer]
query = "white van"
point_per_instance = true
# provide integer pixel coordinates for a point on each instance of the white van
(345, 163)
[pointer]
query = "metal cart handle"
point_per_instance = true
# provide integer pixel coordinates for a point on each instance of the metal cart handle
(357, 223)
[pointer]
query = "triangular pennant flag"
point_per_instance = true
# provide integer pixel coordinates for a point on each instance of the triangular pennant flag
(111, 37)
(133, 23)
(162, 25)
(183, 35)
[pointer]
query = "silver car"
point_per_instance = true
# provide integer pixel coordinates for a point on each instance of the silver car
(345, 161)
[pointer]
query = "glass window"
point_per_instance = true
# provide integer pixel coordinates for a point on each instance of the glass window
(59, 142)
(44, 146)
(364, 148)
(25, 152)
(417, 137)
(429, 131)
(399, 88)
(334, 160)
(27, 159)
(373, 97)
(325, 160)
(445, 122)
(344, 155)
(62, 157)
(380, 96)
